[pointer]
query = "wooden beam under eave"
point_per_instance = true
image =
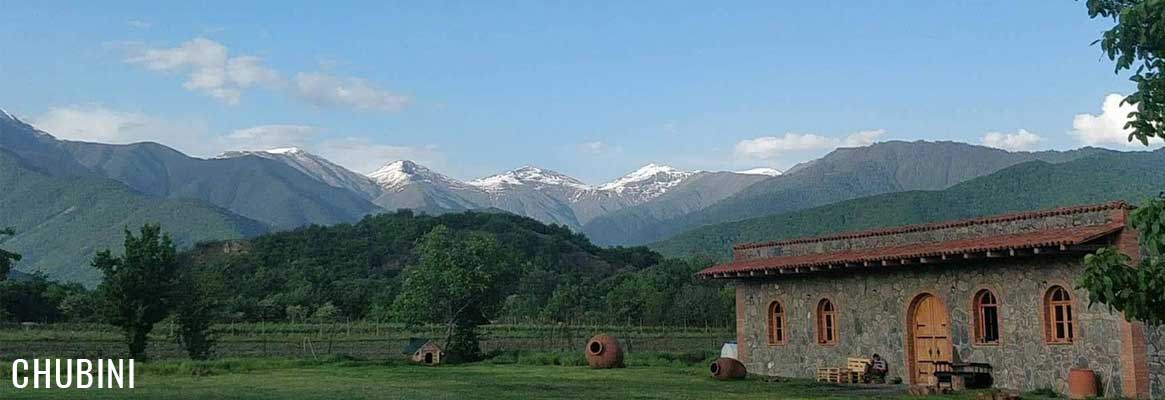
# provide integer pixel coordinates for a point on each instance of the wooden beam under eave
(969, 256)
(996, 254)
(852, 265)
(926, 260)
(906, 261)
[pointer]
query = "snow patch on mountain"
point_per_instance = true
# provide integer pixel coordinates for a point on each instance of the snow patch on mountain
(648, 181)
(528, 175)
(397, 175)
(760, 171)
(315, 166)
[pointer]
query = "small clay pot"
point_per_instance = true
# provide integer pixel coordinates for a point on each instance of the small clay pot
(604, 352)
(1081, 384)
(726, 369)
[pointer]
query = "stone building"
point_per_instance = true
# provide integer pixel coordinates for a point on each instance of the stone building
(998, 290)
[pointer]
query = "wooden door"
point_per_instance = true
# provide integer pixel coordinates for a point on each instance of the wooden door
(930, 335)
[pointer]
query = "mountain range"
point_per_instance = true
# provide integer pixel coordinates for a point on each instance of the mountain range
(69, 199)
(280, 189)
(846, 173)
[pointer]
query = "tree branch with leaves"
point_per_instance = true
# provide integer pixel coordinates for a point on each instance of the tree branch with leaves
(1138, 290)
(1137, 43)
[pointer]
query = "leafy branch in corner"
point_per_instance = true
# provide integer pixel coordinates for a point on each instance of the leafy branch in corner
(1137, 291)
(1137, 41)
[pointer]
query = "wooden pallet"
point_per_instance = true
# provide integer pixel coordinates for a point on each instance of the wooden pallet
(831, 375)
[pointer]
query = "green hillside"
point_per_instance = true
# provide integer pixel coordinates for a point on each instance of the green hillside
(1028, 186)
(61, 221)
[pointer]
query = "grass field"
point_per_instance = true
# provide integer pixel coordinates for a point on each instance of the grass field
(360, 339)
(364, 380)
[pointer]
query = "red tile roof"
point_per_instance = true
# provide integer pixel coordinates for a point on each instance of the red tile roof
(945, 224)
(913, 252)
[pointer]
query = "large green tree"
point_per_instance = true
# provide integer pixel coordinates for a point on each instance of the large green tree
(140, 285)
(459, 282)
(1137, 40)
(7, 258)
(1137, 43)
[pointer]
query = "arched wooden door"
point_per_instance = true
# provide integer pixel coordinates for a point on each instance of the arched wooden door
(930, 337)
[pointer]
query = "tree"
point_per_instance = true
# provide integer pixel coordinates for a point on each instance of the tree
(458, 283)
(196, 307)
(7, 258)
(1137, 291)
(139, 286)
(1138, 41)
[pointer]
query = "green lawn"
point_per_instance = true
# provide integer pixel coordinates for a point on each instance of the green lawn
(362, 380)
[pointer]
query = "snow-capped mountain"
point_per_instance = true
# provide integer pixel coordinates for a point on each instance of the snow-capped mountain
(406, 184)
(539, 193)
(317, 167)
(647, 182)
(528, 175)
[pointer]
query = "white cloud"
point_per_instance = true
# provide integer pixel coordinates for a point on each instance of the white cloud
(1020, 140)
(597, 147)
(265, 137)
(97, 123)
(326, 90)
(209, 67)
(1108, 128)
(767, 147)
(362, 155)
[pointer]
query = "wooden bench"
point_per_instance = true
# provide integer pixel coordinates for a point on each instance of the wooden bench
(831, 375)
(856, 370)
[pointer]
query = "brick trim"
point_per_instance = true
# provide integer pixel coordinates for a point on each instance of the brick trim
(741, 343)
(1134, 347)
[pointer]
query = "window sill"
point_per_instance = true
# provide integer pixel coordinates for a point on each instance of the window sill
(987, 344)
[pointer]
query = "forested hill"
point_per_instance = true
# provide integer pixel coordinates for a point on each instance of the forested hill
(62, 221)
(355, 269)
(1028, 186)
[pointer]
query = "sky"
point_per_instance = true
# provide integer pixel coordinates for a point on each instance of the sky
(590, 89)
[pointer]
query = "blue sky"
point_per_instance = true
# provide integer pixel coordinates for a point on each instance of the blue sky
(591, 89)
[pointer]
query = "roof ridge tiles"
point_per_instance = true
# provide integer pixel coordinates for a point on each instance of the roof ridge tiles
(942, 224)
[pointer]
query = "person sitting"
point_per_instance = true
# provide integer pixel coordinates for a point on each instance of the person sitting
(876, 370)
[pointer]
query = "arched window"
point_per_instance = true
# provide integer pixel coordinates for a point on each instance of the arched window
(776, 323)
(1060, 326)
(826, 322)
(986, 318)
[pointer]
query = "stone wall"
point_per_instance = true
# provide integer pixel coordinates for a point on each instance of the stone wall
(873, 307)
(1156, 343)
(993, 227)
